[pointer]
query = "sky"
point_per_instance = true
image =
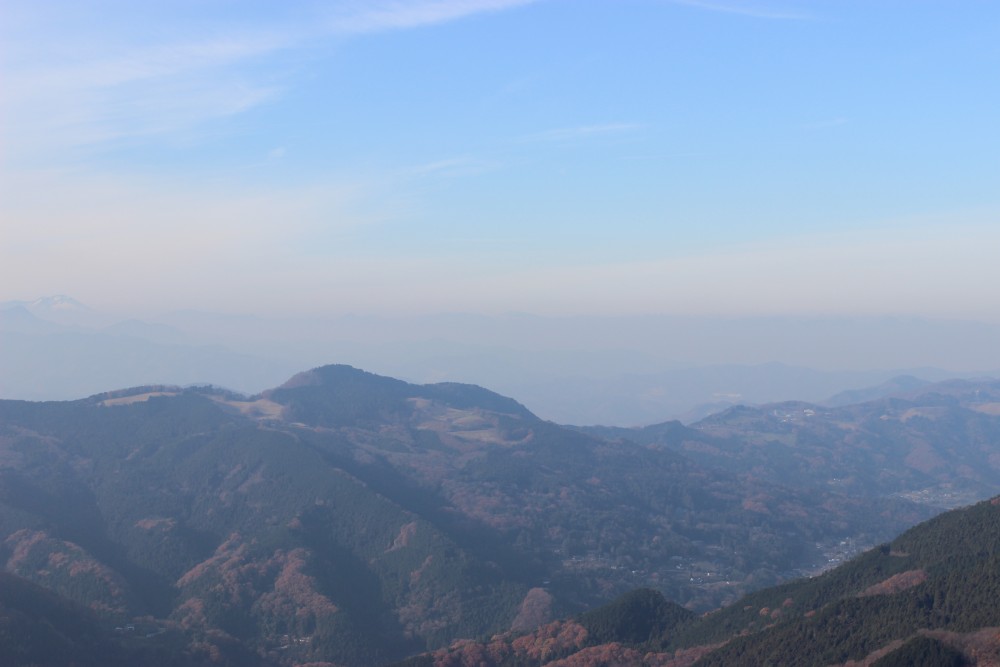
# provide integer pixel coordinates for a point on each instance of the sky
(555, 157)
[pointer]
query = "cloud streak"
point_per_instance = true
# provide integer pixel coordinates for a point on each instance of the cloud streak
(450, 167)
(581, 132)
(744, 9)
(89, 99)
(135, 92)
(378, 17)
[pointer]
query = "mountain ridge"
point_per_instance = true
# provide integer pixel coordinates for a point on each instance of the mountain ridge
(394, 517)
(932, 444)
(622, 371)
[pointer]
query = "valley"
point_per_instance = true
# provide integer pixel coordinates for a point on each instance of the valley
(499, 333)
(356, 519)
(925, 598)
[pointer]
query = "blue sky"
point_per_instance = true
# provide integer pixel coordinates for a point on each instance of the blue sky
(547, 156)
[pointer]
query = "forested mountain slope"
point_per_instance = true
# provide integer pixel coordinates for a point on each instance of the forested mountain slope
(357, 519)
(39, 628)
(927, 598)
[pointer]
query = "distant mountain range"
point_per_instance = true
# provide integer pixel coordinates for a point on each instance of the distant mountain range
(355, 518)
(620, 371)
(57, 349)
(933, 443)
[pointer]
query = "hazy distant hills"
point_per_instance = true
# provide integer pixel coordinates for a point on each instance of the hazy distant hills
(928, 598)
(690, 394)
(935, 443)
(356, 518)
(899, 384)
(57, 349)
(580, 370)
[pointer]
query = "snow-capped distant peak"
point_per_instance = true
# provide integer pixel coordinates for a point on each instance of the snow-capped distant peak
(68, 312)
(58, 302)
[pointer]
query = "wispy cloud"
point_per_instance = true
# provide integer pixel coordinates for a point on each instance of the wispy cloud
(451, 167)
(135, 92)
(754, 10)
(144, 63)
(379, 16)
(111, 90)
(579, 132)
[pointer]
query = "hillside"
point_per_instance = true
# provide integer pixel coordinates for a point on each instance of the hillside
(927, 598)
(39, 628)
(939, 580)
(930, 443)
(357, 519)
